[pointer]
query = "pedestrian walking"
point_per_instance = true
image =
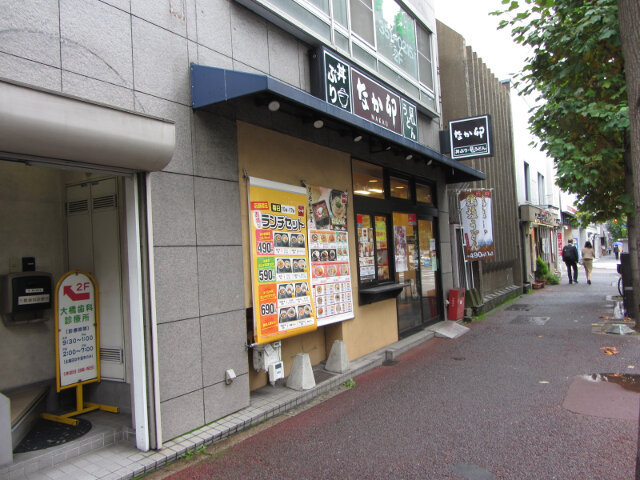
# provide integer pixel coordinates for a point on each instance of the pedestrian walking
(570, 259)
(616, 251)
(587, 260)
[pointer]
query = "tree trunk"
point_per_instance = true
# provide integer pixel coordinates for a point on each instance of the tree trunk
(629, 17)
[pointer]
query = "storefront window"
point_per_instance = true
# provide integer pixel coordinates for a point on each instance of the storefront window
(399, 188)
(396, 36)
(423, 193)
(362, 20)
(382, 250)
(373, 256)
(367, 180)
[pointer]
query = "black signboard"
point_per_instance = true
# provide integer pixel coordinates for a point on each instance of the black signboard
(471, 137)
(337, 82)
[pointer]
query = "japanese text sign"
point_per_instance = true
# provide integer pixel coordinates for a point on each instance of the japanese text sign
(477, 225)
(471, 137)
(282, 301)
(77, 330)
(338, 82)
(353, 91)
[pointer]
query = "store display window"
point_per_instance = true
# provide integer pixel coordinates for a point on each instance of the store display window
(368, 180)
(423, 193)
(399, 188)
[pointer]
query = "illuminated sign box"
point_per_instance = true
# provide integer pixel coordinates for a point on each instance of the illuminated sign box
(471, 137)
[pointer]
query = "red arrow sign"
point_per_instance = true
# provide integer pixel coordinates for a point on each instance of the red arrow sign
(68, 291)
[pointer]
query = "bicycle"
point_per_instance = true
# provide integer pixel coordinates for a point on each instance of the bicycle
(621, 286)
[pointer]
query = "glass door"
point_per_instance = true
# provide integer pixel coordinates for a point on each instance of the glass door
(407, 269)
(416, 266)
(428, 271)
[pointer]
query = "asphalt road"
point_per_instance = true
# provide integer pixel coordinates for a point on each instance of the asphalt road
(503, 401)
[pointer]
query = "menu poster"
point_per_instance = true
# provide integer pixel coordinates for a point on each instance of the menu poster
(366, 249)
(282, 302)
(329, 254)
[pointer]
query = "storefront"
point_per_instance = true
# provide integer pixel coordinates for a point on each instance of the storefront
(540, 238)
(387, 187)
(72, 180)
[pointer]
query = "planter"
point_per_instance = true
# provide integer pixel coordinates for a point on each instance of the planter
(538, 285)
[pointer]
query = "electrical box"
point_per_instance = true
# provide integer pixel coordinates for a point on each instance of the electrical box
(24, 296)
(276, 371)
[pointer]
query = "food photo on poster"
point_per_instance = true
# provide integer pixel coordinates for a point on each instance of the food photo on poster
(282, 302)
(329, 254)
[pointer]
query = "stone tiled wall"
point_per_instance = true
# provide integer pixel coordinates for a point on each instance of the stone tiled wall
(135, 54)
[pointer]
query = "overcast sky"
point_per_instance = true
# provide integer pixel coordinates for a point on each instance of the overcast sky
(471, 19)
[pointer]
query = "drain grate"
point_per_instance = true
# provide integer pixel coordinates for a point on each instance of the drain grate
(519, 307)
(321, 375)
(528, 320)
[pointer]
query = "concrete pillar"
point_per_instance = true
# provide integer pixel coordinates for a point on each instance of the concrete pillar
(301, 375)
(6, 446)
(338, 361)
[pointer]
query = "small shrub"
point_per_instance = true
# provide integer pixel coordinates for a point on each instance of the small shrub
(542, 270)
(553, 279)
(349, 383)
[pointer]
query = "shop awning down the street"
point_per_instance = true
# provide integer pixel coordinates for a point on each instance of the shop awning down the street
(212, 86)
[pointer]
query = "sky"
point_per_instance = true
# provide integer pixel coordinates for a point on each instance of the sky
(471, 19)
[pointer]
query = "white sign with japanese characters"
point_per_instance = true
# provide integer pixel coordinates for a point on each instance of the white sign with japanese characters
(77, 329)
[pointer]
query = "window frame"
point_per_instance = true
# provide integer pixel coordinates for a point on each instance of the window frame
(363, 205)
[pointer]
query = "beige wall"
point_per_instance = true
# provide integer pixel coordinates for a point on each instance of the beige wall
(266, 154)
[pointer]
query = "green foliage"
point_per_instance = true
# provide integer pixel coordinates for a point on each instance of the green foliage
(542, 270)
(616, 229)
(576, 68)
(349, 383)
(552, 279)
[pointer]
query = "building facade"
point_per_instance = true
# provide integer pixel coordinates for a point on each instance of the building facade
(150, 143)
(469, 89)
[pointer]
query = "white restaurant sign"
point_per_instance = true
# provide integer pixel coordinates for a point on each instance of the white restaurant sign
(77, 330)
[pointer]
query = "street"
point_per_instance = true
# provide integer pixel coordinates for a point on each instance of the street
(506, 400)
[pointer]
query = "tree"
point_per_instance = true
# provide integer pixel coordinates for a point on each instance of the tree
(577, 69)
(586, 67)
(616, 229)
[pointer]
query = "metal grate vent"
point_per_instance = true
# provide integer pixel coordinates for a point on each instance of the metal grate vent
(113, 355)
(77, 206)
(107, 201)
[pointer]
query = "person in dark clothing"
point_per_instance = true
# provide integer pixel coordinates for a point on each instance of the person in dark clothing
(616, 251)
(570, 259)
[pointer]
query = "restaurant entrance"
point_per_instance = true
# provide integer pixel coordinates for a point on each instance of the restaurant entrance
(416, 264)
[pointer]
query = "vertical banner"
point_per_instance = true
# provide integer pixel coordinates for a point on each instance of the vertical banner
(477, 224)
(329, 254)
(282, 305)
(77, 330)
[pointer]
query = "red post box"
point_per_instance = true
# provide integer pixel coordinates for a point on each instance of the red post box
(456, 304)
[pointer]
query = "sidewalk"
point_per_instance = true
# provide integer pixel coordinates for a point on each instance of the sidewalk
(120, 459)
(123, 461)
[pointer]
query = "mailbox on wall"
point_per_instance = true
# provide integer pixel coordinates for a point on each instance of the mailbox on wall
(25, 296)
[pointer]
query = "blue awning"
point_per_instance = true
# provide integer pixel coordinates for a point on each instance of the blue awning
(211, 86)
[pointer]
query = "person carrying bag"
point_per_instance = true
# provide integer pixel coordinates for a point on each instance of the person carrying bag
(587, 260)
(570, 259)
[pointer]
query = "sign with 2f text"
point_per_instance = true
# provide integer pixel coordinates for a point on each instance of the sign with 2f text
(77, 346)
(471, 137)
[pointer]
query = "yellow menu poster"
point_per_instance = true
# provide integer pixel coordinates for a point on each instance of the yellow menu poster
(282, 304)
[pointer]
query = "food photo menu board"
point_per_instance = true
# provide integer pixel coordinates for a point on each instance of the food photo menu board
(282, 300)
(329, 254)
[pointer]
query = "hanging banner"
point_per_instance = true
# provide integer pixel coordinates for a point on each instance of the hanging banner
(77, 330)
(477, 224)
(282, 305)
(329, 254)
